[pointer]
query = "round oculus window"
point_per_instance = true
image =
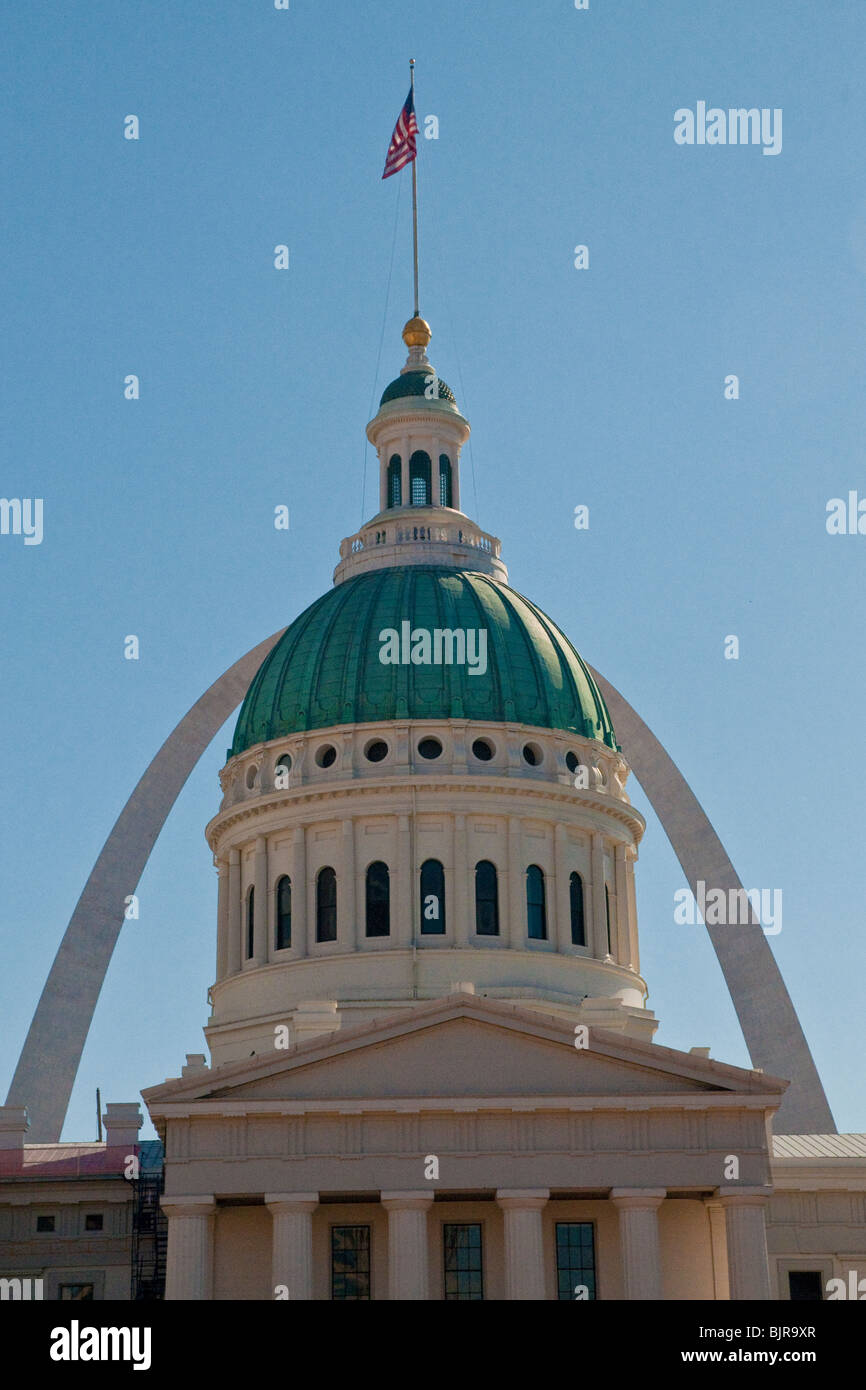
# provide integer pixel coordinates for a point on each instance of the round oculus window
(327, 755)
(430, 748)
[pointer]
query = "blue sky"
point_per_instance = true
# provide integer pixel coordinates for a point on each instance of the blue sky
(602, 387)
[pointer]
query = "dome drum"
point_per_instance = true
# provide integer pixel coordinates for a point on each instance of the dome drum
(285, 769)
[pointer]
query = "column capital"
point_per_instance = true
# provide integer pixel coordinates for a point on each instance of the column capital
(522, 1198)
(638, 1198)
(188, 1206)
(744, 1196)
(406, 1201)
(291, 1201)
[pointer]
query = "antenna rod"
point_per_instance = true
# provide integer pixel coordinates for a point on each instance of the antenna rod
(414, 195)
(98, 1116)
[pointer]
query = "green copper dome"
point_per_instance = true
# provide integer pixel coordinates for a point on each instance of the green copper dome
(326, 668)
(414, 383)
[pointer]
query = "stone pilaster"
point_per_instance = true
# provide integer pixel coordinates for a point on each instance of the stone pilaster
(189, 1257)
(222, 962)
(639, 1240)
(524, 1245)
(299, 892)
(464, 886)
(233, 954)
(260, 906)
(599, 917)
(748, 1265)
(403, 927)
(516, 886)
(408, 1263)
(292, 1242)
(620, 915)
(347, 927)
(561, 894)
(634, 946)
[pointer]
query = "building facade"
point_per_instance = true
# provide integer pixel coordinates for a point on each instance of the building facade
(432, 1071)
(432, 1067)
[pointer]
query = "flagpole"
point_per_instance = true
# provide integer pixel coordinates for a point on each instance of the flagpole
(414, 195)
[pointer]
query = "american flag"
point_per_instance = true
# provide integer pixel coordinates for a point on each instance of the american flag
(401, 150)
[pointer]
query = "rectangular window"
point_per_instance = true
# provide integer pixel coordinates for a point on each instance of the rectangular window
(75, 1292)
(93, 1221)
(45, 1223)
(464, 1271)
(805, 1285)
(350, 1262)
(575, 1260)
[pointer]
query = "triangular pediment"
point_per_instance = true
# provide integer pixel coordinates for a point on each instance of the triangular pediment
(465, 1047)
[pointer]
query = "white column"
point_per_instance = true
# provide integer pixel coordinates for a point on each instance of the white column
(599, 915)
(383, 478)
(292, 1242)
(516, 886)
(718, 1247)
(524, 1244)
(233, 954)
(405, 497)
(464, 896)
(222, 920)
(748, 1264)
(561, 888)
(408, 1265)
(347, 924)
(639, 1240)
(299, 892)
(189, 1257)
(260, 906)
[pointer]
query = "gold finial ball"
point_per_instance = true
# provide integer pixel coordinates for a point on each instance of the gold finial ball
(417, 333)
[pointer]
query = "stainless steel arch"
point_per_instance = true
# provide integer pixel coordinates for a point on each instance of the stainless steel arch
(767, 1016)
(51, 1054)
(52, 1050)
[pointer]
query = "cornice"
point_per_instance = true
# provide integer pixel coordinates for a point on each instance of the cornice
(611, 807)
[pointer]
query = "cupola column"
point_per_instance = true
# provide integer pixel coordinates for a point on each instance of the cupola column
(406, 496)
